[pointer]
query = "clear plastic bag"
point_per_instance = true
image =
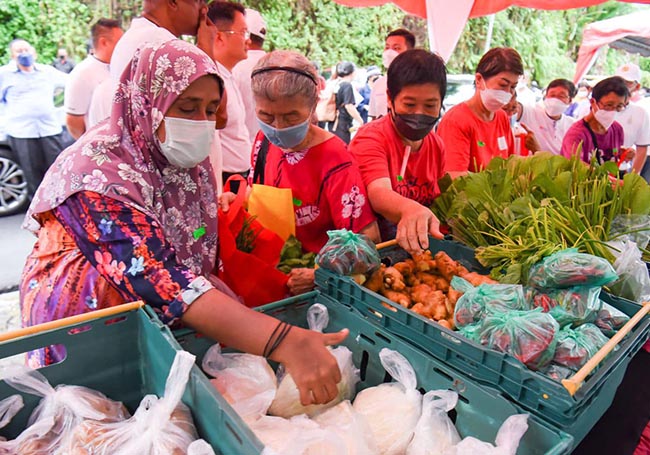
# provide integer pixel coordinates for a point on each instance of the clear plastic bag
(576, 346)
(347, 253)
(634, 278)
(506, 442)
(298, 435)
(287, 397)
(569, 268)
(558, 372)
(350, 426)
(435, 433)
(392, 410)
(9, 407)
(52, 423)
(160, 426)
(610, 319)
(632, 227)
(477, 302)
(200, 447)
(246, 381)
(529, 336)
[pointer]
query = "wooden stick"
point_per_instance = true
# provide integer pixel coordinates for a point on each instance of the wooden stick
(575, 382)
(387, 244)
(71, 320)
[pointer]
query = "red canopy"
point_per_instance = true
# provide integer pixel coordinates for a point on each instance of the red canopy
(602, 33)
(446, 20)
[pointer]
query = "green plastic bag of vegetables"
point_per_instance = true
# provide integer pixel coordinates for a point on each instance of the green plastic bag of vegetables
(477, 302)
(576, 346)
(610, 319)
(568, 268)
(529, 336)
(576, 305)
(347, 253)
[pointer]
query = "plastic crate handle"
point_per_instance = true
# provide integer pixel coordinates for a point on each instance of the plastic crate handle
(575, 382)
(52, 325)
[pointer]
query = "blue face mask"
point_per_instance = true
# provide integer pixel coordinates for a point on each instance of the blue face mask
(285, 138)
(513, 120)
(25, 59)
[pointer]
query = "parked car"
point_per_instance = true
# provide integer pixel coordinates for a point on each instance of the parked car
(14, 195)
(460, 87)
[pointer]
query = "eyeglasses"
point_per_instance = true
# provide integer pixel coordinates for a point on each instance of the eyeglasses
(612, 107)
(245, 33)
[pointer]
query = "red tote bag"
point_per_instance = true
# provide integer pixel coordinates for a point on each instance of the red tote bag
(252, 276)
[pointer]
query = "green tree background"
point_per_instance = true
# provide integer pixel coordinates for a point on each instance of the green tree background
(326, 32)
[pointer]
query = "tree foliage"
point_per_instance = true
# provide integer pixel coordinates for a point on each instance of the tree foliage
(548, 41)
(46, 25)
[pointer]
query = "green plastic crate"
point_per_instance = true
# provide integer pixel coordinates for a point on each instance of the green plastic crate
(480, 411)
(533, 391)
(126, 360)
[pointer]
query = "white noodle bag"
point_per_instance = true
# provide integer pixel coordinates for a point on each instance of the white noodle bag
(200, 447)
(296, 436)
(506, 442)
(350, 426)
(287, 398)
(246, 381)
(392, 410)
(435, 433)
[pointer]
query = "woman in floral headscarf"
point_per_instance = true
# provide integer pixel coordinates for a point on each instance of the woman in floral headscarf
(129, 212)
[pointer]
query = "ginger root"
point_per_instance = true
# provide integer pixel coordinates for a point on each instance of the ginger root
(398, 297)
(477, 279)
(376, 281)
(394, 280)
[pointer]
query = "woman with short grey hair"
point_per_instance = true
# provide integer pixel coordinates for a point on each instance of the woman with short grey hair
(290, 151)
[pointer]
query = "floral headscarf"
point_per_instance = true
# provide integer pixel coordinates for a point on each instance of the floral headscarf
(120, 158)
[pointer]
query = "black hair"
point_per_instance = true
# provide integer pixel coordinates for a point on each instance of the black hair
(408, 36)
(416, 67)
(101, 28)
(223, 13)
(615, 84)
(345, 68)
(257, 40)
(498, 60)
(564, 83)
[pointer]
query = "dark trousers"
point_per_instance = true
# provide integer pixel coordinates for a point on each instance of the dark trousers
(36, 155)
(234, 185)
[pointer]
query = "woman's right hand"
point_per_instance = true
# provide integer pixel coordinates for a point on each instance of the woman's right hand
(225, 199)
(305, 356)
(414, 227)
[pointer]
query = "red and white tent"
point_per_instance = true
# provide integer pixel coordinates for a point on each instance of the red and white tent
(630, 32)
(446, 19)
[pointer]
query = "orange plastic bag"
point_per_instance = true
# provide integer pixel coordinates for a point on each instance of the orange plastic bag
(252, 276)
(274, 209)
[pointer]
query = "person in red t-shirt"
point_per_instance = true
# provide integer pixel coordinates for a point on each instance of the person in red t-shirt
(400, 157)
(477, 130)
(292, 152)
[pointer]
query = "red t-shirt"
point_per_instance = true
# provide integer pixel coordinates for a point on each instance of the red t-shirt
(327, 189)
(470, 142)
(380, 152)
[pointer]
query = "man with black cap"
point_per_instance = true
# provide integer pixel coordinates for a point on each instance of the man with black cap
(242, 71)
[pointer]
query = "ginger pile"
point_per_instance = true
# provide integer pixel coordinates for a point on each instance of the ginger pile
(421, 284)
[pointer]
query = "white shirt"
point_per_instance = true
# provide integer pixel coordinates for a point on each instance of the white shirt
(83, 80)
(235, 139)
(549, 132)
(142, 31)
(242, 74)
(636, 125)
(378, 104)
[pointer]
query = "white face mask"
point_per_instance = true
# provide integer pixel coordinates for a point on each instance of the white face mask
(554, 107)
(493, 100)
(605, 118)
(187, 142)
(388, 56)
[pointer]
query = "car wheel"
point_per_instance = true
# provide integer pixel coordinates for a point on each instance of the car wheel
(14, 195)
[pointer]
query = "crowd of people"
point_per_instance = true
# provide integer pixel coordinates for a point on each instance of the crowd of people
(130, 210)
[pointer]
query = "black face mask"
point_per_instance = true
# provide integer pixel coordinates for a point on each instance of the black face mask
(414, 126)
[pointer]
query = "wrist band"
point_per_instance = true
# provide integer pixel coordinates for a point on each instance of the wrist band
(277, 337)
